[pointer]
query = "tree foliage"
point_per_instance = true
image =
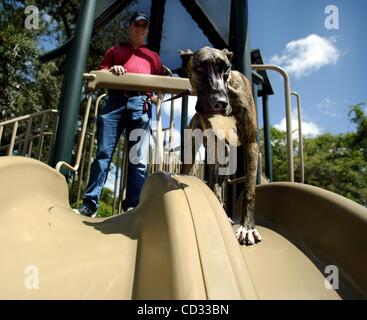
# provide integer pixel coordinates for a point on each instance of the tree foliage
(26, 85)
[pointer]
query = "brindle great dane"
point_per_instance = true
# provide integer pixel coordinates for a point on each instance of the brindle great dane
(225, 92)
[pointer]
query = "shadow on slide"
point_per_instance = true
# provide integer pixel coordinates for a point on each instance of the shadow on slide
(177, 244)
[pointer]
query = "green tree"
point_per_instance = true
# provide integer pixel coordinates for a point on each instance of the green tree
(26, 85)
(357, 116)
(336, 164)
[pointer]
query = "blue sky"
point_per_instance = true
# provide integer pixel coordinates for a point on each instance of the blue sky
(329, 91)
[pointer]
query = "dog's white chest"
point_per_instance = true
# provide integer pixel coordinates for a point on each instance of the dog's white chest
(225, 128)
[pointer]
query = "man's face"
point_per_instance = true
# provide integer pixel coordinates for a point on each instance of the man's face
(138, 30)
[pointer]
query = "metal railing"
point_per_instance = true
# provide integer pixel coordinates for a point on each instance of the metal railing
(300, 136)
(288, 112)
(31, 141)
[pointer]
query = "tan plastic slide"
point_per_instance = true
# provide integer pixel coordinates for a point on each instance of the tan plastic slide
(177, 244)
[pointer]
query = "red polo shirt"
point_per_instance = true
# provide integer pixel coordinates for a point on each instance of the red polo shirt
(140, 60)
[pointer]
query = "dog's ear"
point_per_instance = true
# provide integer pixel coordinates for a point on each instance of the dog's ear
(229, 54)
(185, 56)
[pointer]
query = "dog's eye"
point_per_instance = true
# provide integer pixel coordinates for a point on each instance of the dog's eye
(226, 67)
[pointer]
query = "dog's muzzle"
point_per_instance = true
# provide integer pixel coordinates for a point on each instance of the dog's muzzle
(220, 105)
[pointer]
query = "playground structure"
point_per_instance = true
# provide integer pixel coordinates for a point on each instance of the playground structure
(178, 242)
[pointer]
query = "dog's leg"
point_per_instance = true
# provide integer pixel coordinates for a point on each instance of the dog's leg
(247, 232)
(187, 167)
(216, 182)
(194, 148)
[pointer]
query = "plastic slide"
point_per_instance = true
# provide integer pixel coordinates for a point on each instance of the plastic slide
(177, 244)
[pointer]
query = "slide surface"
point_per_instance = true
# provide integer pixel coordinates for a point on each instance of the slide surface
(177, 244)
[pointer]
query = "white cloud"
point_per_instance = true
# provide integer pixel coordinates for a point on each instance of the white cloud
(306, 55)
(308, 128)
(327, 106)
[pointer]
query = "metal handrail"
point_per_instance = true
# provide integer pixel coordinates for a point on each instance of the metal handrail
(94, 131)
(21, 139)
(159, 149)
(288, 112)
(75, 168)
(21, 118)
(27, 135)
(300, 136)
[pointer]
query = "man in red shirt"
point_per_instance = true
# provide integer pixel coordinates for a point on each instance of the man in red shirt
(124, 110)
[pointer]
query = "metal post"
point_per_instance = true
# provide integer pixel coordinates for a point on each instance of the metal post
(116, 190)
(12, 140)
(75, 168)
(239, 39)
(267, 139)
(41, 137)
(72, 86)
(94, 129)
(27, 135)
(287, 94)
(159, 143)
(170, 138)
(258, 173)
(239, 45)
(156, 24)
(184, 118)
(300, 137)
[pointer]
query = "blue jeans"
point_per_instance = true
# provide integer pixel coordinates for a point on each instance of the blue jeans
(121, 113)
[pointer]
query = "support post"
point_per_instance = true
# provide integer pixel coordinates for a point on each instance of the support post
(239, 45)
(184, 118)
(72, 86)
(156, 25)
(267, 139)
(300, 135)
(239, 39)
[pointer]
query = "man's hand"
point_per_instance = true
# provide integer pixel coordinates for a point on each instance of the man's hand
(154, 99)
(117, 70)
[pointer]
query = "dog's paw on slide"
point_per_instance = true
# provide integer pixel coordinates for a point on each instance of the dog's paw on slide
(247, 237)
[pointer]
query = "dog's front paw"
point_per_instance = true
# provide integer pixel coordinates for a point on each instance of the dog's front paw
(247, 236)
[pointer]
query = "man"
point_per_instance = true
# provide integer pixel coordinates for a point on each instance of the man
(124, 110)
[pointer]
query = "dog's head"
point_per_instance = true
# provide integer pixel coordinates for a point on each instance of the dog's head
(208, 70)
